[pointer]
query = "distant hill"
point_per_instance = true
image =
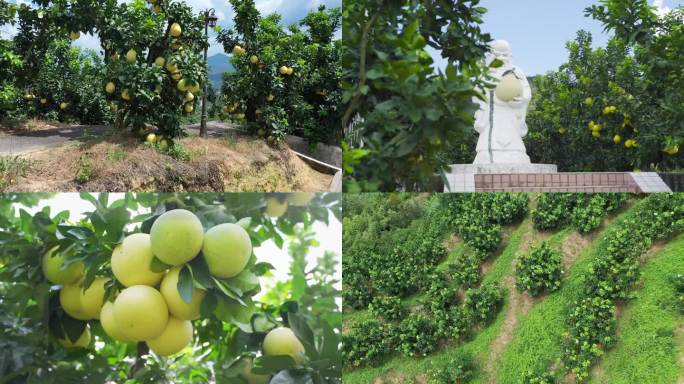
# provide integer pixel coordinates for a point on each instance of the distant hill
(218, 64)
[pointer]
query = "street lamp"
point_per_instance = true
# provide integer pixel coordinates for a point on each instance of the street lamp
(209, 21)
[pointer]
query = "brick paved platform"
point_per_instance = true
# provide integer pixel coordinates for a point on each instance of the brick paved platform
(590, 182)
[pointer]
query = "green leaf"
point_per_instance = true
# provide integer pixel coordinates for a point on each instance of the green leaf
(270, 364)
(185, 287)
(158, 266)
(73, 329)
(298, 285)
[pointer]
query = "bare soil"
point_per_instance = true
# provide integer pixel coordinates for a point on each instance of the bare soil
(119, 163)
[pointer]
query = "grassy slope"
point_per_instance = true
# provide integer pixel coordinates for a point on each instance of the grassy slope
(411, 367)
(647, 348)
(537, 343)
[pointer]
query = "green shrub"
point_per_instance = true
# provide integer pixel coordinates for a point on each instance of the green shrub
(483, 302)
(465, 269)
(85, 169)
(12, 168)
(538, 378)
(458, 369)
(365, 343)
(678, 281)
(417, 335)
(539, 270)
(388, 308)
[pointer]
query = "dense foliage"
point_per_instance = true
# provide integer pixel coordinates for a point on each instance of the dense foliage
(457, 370)
(402, 115)
(286, 80)
(539, 270)
(584, 212)
(591, 326)
(233, 325)
(619, 107)
(393, 244)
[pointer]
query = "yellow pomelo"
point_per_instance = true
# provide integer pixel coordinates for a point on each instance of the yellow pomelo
(194, 88)
(189, 96)
(253, 59)
(109, 323)
(179, 308)
(275, 207)
(290, 70)
(43, 101)
(159, 61)
(52, 264)
(151, 138)
(238, 50)
(93, 298)
(227, 249)
(283, 70)
(141, 313)
(171, 67)
(70, 300)
(270, 98)
(176, 236)
(182, 85)
(82, 342)
(110, 87)
(163, 144)
(176, 335)
(299, 198)
(508, 88)
(63, 105)
(131, 55)
(176, 30)
(282, 341)
(253, 378)
(131, 261)
(188, 108)
(125, 95)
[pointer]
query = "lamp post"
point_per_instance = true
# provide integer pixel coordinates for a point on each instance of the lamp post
(209, 21)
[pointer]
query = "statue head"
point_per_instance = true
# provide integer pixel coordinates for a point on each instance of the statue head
(499, 49)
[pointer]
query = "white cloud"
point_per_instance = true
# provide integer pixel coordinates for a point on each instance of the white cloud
(662, 9)
(269, 6)
(89, 41)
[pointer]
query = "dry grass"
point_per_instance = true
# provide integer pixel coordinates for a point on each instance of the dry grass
(235, 163)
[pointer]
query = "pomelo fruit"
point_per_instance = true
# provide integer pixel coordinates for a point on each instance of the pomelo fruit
(290, 71)
(275, 207)
(82, 342)
(253, 59)
(125, 95)
(151, 138)
(131, 261)
(109, 323)
(227, 249)
(171, 67)
(141, 313)
(188, 108)
(509, 88)
(163, 144)
(176, 30)
(110, 87)
(179, 308)
(74, 35)
(70, 300)
(63, 105)
(176, 335)
(283, 70)
(52, 268)
(177, 236)
(270, 98)
(131, 55)
(159, 61)
(189, 96)
(282, 341)
(299, 198)
(92, 298)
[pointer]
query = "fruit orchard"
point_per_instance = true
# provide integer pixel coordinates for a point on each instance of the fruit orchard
(167, 289)
(286, 79)
(512, 288)
(619, 107)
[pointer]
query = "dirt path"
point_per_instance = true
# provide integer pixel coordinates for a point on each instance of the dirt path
(519, 304)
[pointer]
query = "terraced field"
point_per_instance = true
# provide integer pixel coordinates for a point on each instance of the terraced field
(603, 270)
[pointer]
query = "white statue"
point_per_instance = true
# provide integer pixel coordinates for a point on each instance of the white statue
(501, 118)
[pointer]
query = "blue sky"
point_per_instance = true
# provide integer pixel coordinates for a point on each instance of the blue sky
(538, 29)
(291, 10)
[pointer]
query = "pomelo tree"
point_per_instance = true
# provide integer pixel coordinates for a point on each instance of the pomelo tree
(614, 108)
(123, 314)
(286, 79)
(402, 115)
